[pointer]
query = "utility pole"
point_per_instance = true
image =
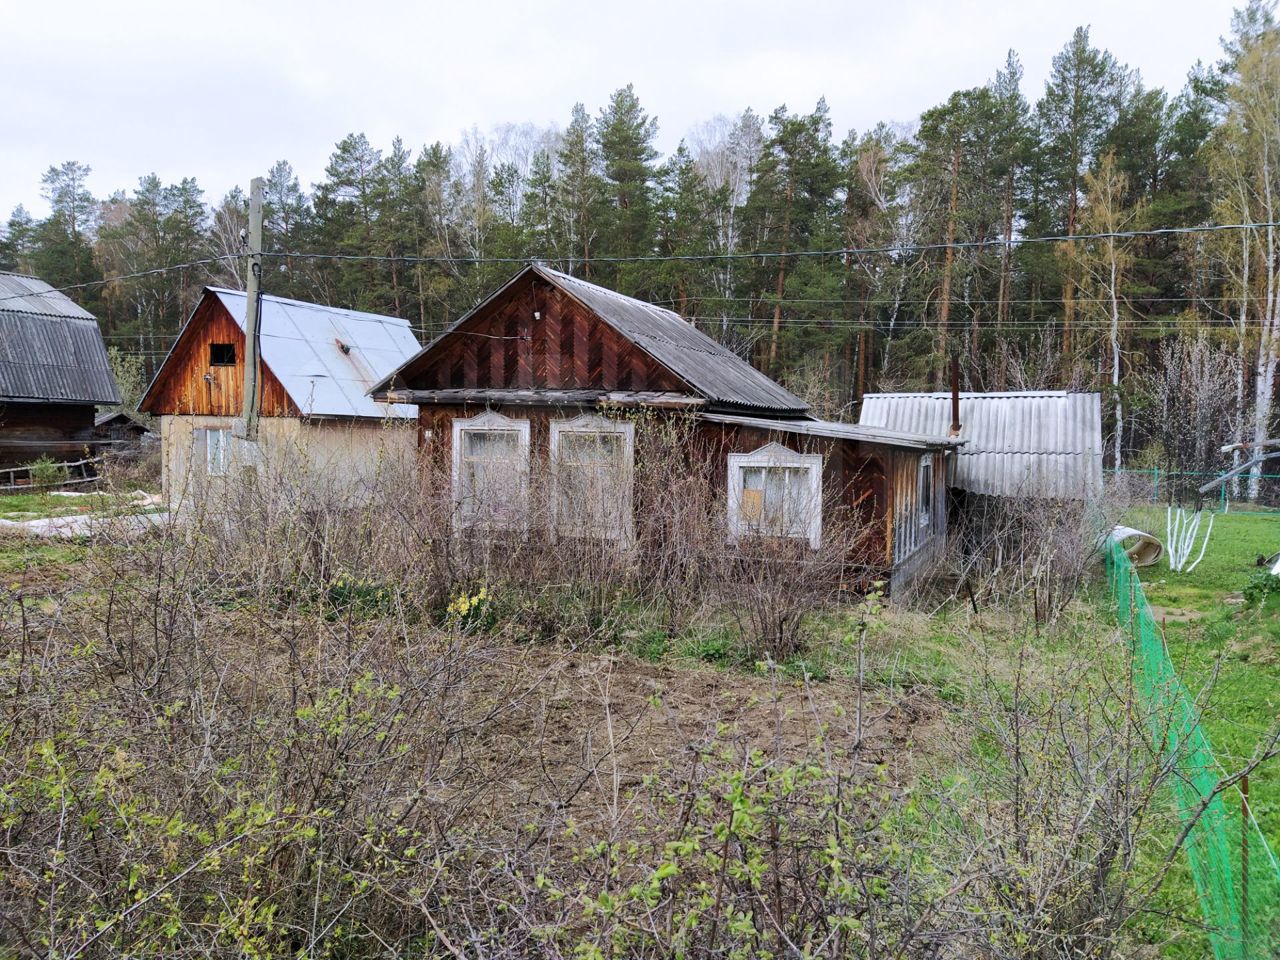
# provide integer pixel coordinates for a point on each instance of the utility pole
(253, 282)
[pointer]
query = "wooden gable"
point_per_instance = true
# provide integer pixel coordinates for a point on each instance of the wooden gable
(534, 336)
(189, 384)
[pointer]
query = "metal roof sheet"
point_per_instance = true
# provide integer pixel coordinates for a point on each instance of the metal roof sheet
(711, 369)
(302, 344)
(1031, 444)
(51, 349)
(838, 431)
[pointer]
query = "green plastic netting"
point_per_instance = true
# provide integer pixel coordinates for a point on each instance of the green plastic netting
(1234, 871)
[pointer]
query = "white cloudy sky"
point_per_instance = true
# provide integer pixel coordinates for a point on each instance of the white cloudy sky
(219, 90)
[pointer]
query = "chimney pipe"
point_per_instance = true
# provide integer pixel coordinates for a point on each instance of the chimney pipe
(955, 395)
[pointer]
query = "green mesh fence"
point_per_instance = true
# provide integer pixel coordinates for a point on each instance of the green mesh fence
(1234, 871)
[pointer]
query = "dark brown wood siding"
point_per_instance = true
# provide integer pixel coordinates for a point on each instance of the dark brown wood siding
(188, 385)
(29, 431)
(565, 347)
(855, 477)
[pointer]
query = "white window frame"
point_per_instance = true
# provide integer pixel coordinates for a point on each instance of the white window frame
(222, 465)
(775, 455)
(593, 424)
(925, 466)
(491, 422)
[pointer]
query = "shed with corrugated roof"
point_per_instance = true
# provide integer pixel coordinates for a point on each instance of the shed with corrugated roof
(1039, 444)
(53, 373)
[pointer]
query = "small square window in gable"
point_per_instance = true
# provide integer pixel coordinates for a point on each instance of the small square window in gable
(222, 354)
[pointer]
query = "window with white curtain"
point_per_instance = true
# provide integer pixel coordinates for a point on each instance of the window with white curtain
(776, 492)
(213, 448)
(491, 471)
(592, 460)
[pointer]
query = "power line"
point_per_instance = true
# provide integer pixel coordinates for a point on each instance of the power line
(778, 255)
(955, 302)
(898, 249)
(127, 276)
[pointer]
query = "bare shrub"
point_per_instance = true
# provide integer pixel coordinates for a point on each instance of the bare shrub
(1011, 551)
(285, 724)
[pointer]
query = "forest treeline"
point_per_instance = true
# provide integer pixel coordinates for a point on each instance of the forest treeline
(927, 221)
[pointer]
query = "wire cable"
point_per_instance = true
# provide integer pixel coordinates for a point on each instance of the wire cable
(898, 249)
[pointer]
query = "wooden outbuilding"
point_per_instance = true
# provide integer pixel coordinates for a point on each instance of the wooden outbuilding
(53, 373)
(555, 372)
(317, 365)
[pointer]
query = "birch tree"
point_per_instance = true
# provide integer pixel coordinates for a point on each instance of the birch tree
(1104, 265)
(1252, 128)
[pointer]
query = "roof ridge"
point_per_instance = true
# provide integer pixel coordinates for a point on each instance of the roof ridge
(314, 306)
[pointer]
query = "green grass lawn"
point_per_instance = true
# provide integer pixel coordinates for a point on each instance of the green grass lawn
(31, 506)
(28, 506)
(1207, 633)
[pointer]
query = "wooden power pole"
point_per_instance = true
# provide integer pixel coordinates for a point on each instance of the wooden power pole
(253, 283)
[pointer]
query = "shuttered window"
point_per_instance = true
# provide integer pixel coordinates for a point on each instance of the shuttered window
(592, 461)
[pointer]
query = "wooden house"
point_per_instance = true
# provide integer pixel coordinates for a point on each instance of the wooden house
(550, 369)
(53, 373)
(317, 365)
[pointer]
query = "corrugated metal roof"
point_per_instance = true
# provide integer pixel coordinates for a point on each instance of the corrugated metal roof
(51, 349)
(302, 344)
(711, 369)
(837, 431)
(1031, 444)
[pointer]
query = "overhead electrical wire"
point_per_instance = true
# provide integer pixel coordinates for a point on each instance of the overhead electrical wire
(796, 254)
(898, 249)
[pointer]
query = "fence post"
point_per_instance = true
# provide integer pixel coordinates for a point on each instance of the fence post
(1155, 485)
(1244, 866)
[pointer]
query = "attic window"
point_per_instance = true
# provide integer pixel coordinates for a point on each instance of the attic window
(222, 354)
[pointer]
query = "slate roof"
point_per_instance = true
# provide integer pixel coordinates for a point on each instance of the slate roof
(711, 369)
(1045, 443)
(51, 349)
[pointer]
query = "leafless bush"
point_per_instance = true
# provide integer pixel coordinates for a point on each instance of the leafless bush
(1010, 550)
(288, 723)
(1193, 405)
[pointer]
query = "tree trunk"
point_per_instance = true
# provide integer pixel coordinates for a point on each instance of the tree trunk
(948, 262)
(780, 287)
(1115, 357)
(1264, 386)
(1006, 253)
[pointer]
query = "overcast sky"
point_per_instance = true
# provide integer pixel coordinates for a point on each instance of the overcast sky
(220, 90)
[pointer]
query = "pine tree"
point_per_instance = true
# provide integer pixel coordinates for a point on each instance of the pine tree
(792, 206)
(579, 192)
(684, 228)
(1080, 104)
(625, 134)
(346, 211)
